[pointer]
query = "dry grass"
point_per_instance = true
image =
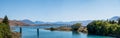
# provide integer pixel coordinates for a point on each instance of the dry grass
(16, 35)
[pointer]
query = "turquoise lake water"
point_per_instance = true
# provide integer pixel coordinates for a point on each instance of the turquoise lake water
(32, 33)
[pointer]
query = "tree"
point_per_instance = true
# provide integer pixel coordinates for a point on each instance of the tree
(5, 20)
(112, 28)
(118, 21)
(100, 27)
(6, 29)
(76, 26)
(112, 22)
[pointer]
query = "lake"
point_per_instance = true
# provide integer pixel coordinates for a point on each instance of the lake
(31, 32)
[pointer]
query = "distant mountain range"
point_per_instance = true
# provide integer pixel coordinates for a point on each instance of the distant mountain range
(56, 23)
(29, 22)
(84, 23)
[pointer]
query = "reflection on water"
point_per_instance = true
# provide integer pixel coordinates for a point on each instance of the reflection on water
(76, 34)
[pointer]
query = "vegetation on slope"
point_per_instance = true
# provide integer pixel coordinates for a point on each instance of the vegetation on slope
(100, 27)
(5, 29)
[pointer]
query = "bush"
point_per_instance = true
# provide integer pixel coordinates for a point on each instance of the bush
(100, 27)
(4, 31)
(76, 26)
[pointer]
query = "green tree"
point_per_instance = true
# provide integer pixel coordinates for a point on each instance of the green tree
(100, 27)
(5, 28)
(112, 22)
(97, 27)
(118, 30)
(5, 20)
(112, 28)
(4, 31)
(118, 21)
(76, 26)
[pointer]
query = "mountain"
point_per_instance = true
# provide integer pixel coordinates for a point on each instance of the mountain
(84, 23)
(39, 22)
(115, 18)
(27, 21)
(15, 22)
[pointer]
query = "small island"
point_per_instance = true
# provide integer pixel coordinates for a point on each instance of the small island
(75, 27)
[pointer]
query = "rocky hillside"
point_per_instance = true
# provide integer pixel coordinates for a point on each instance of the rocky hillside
(15, 22)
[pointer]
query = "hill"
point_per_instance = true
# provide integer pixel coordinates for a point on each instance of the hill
(15, 22)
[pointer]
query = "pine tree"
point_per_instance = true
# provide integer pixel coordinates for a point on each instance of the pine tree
(5, 20)
(107, 20)
(7, 32)
(113, 22)
(118, 21)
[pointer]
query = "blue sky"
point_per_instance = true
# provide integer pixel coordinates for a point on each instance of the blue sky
(59, 10)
